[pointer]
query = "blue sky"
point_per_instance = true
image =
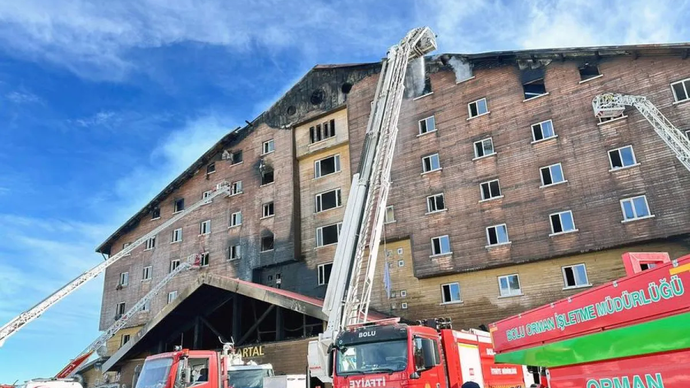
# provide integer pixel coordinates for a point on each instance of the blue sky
(102, 105)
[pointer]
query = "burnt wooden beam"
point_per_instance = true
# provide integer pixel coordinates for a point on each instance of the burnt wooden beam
(236, 317)
(256, 324)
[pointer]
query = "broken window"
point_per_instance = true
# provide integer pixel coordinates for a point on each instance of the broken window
(427, 125)
(211, 168)
(490, 190)
(234, 252)
(204, 259)
(588, 71)
(156, 213)
(327, 166)
(174, 264)
(328, 200)
(450, 292)
(431, 163)
(440, 245)
(483, 148)
(533, 82)
(562, 222)
(205, 227)
(622, 157)
(267, 210)
(551, 175)
(327, 235)
(236, 157)
(178, 206)
(497, 235)
(543, 131)
(150, 243)
(322, 131)
(267, 147)
(427, 86)
(324, 274)
(435, 203)
(267, 176)
(477, 108)
(176, 235)
(236, 219)
(236, 188)
(575, 276)
(389, 215)
(267, 243)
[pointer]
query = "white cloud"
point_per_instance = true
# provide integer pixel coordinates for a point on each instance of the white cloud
(22, 97)
(98, 41)
(98, 119)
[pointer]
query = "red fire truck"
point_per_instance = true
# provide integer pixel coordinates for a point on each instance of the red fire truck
(202, 368)
(429, 355)
(629, 333)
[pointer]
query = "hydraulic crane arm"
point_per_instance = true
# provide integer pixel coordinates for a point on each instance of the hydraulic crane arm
(613, 104)
(17, 323)
(349, 293)
(68, 371)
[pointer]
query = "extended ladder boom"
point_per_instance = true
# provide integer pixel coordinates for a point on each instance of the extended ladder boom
(71, 368)
(17, 323)
(613, 104)
(349, 293)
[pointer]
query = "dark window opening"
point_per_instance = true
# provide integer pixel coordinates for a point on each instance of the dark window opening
(427, 86)
(546, 176)
(588, 71)
(267, 243)
(267, 177)
(322, 131)
(268, 209)
(317, 97)
(179, 205)
(534, 89)
(328, 200)
(346, 87)
(324, 274)
(236, 157)
(155, 213)
(328, 235)
(616, 161)
(493, 237)
(556, 223)
(646, 266)
(569, 277)
(328, 166)
(490, 190)
(211, 168)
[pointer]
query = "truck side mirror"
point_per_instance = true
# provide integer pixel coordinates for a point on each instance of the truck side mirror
(429, 354)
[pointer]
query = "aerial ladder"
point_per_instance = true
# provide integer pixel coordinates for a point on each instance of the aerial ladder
(612, 105)
(193, 262)
(349, 289)
(223, 188)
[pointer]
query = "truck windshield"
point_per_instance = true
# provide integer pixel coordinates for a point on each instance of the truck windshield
(375, 357)
(247, 378)
(154, 373)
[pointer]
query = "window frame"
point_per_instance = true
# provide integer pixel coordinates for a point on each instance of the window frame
(469, 109)
(204, 261)
(120, 309)
(319, 232)
(318, 200)
(321, 274)
(498, 243)
(541, 130)
(565, 279)
(174, 263)
(510, 291)
(632, 203)
(236, 188)
(234, 156)
(450, 293)
(386, 219)
(337, 166)
(210, 168)
(124, 279)
(632, 151)
(146, 273)
(266, 144)
(150, 244)
(560, 220)
(493, 148)
(541, 175)
(270, 206)
(323, 128)
(273, 243)
(173, 240)
(440, 239)
(491, 197)
(205, 195)
(235, 219)
(586, 65)
(426, 125)
(433, 198)
(268, 172)
(686, 88)
(430, 157)
(178, 205)
(172, 295)
(155, 213)
(205, 228)
(237, 250)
